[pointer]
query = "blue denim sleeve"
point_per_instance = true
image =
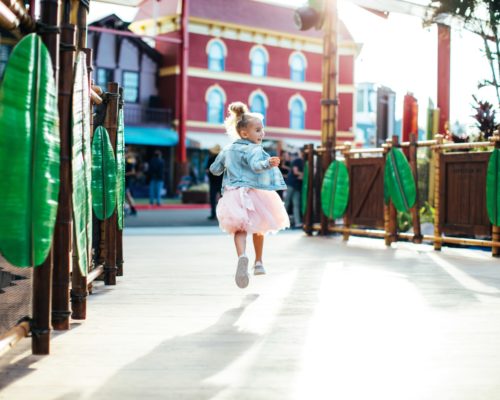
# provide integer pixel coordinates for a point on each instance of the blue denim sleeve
(217, 167)
(258, 160)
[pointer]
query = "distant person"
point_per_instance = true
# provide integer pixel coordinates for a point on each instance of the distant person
(294, 189)
(156, 175)
(214, 181)
(284, 169)
(249, 203)
(130, 174)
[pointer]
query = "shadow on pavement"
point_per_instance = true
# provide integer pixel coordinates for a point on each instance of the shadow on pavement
(183, 363)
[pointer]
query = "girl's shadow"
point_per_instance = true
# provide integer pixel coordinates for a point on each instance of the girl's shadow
(182, 364)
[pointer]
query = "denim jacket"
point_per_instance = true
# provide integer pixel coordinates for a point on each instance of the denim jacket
(246, 164)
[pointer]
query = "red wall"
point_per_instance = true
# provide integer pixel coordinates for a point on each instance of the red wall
(277, 112)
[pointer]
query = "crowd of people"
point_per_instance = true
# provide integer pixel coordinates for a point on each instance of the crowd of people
(291, 167)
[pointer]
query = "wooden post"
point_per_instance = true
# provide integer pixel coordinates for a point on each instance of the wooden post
(443, 76)
(387, 224)
(347, 215)
(79, 290)
(325, 161)
(42, 275)
(119, 232)
(307, 223)
(393, 215)
(182, 103)
(437, 197)
(417, 234)
(495, 229)
(111, 125)
(329, 100)
(64, 223)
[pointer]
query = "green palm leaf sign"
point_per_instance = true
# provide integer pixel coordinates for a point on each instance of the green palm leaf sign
(103, 175)
(30, 154)
(335, 190)
(120, 168)
(305, 188)
(81, 164)
(400, 182)
(492, 189)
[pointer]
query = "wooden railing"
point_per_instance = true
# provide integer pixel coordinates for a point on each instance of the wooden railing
(459, 193)
(63, 28)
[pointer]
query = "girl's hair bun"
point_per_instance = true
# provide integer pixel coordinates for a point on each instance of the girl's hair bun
(237, 108)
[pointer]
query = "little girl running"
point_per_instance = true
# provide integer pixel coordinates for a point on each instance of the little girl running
(249, 203)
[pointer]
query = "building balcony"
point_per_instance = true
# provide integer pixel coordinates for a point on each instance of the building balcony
(136, 114)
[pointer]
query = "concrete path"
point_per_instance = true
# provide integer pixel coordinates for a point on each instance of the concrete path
(329, 321)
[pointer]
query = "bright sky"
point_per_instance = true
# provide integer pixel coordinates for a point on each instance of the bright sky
(399, 53)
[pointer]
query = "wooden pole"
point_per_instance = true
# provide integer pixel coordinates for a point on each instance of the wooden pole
(111, 125)
(119, 232)
(495, 229)
(393, 215)
(183, 98)
(26, 23)
(79, 290)
(42, 275)
(64, 224)
(443, 76)
(437, 191)
(417, 234)
(307, 223)
(347, 215)
(9, 339)
(324, 161)
(329, 102)
(387, 228)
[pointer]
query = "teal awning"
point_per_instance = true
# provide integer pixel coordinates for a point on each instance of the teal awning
(150, 136)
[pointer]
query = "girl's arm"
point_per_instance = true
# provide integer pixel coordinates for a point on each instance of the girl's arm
(258, 161)
(217, 167)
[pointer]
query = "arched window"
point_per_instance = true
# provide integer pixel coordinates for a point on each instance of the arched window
(258, 102)
(298, 66)
(258, 61)
(215, 99)
(216, 51)
(297, 107)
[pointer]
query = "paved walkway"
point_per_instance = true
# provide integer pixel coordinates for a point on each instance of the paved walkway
(329, 321)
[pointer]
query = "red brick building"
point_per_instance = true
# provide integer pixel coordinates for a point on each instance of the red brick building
(250, 51)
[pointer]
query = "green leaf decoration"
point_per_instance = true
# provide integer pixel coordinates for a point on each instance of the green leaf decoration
(335, 190)
(120, 168)
(305, 187)
(30, 154)
(81, 164)
(103, 175)
(400, 182)
(492, 189)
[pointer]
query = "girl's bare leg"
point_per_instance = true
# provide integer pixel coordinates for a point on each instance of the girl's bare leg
(240, 241)
(258, 244)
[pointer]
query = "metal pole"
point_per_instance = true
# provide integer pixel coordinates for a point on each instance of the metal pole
(183, 81)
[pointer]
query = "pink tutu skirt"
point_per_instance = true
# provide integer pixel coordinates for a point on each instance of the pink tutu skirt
(251, 210)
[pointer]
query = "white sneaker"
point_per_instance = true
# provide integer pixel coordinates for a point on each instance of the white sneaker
(241, 276)
(258, 269)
